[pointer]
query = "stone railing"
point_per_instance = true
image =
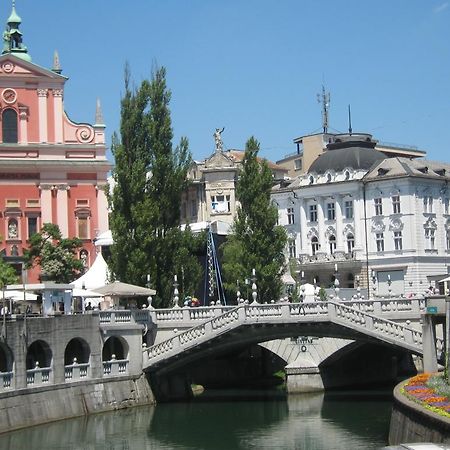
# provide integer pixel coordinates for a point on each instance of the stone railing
(38, 375)
(282, 314)
(382, 306)
(6, 380)
(115, 367)
(188, 314)
(73, 372)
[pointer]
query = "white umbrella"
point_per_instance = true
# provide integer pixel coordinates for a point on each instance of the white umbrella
(18, 296)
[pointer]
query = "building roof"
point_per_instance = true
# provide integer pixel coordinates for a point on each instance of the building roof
(351, 157)
(238, 156)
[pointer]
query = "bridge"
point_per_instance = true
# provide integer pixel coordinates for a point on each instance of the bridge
(210, 331)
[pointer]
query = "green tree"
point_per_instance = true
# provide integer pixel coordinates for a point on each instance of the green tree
(57, 256)
(150, 176)
(7, 273)
(257, 241)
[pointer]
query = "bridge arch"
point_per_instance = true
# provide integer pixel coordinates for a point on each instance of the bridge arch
(117, 346)
(77, 348)
(6, 358)
(39, 352)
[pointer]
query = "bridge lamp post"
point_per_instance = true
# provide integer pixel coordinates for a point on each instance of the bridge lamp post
(254, 288)
(389, 282)
(358, 287)
(149, 298)
(374, 283)
(336, 282)
(175, 292)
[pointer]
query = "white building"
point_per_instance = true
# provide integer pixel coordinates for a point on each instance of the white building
(383, 222)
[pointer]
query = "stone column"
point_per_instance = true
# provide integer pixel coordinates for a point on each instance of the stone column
(429, 344)
(42, 105)
(357, 205)
(62, 210)
(339, 236)
(321, 226)
(102, 206)
(303, 228)
(46, 203)
(23, 125)
(58, 114)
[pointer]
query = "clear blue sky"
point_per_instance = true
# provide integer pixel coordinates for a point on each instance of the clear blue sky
(255, 66)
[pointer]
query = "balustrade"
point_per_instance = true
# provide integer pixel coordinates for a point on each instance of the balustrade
(73, 372)
(6, 380)
(115, 367)
(38, 375)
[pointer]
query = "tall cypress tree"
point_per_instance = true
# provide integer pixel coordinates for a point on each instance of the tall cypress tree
(257, 241)
(150, 176)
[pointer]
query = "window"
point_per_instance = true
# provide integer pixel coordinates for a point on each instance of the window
(82, 202)
(13, 229)
(183, 210)
(292, 249)
(430, 238)
(447, 238)
(350, 242)
(314, 245)
(331, 213)
(332, 244)
(193, 208)
(33, 203)
(298, 164)
(32, 226)
(446, 205)
(12, 203)
(83, 227)
(428, 204)
(9, 126)
(313, 213)
(378, 207)
(396, 204)
(220, 203)
(290, 216)
(398, 245)
(379, 237)
(348, 209)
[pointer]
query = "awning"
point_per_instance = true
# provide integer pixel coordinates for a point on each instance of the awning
(445, 279)
(119, 289)
(18, 296)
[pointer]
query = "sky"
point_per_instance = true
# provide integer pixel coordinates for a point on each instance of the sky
(255, 66)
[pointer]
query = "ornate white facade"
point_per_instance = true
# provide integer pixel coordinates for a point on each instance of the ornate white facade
(386, 227)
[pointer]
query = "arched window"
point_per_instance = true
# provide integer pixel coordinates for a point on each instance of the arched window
(9, 126)
(314, 245)
(350, 242)
(332, 243)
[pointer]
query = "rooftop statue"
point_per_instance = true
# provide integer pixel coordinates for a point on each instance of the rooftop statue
(218, 139)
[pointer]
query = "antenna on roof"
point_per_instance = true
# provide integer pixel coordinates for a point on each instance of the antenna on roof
(324, 99)
(349, 120)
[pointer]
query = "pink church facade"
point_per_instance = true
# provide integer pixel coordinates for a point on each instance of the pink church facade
(51, 169)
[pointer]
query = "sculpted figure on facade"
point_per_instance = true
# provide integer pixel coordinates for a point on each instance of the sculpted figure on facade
(218, 139)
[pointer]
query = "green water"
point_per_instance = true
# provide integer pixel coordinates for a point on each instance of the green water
(233, 420)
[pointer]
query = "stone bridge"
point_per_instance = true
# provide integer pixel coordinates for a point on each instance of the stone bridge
(393, 322)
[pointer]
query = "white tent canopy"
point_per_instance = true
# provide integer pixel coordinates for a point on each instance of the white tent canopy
(444, 280)
(95, 277)
(18, 296)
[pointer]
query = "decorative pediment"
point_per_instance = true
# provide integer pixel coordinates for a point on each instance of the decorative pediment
(396, 225)
(218, 160)
(378, 226)
(13, 66)
(330, 231)
(430, 223)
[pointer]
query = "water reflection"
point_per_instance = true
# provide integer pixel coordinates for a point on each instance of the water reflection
(233, 422)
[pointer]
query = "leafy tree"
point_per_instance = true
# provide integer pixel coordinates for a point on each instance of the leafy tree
(150, 176)
(57, 256)
(257, 241)
(7, 273)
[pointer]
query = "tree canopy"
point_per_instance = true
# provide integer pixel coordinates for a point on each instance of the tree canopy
(149, 178)
(257, 242)
(57, 256)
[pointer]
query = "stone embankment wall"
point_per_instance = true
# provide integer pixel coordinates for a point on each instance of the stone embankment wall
(412, 423)
(27, 407)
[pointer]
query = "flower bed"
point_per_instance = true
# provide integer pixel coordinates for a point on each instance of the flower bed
(427, 389)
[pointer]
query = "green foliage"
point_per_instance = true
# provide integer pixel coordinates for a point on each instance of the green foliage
(257, 241)
(57, 256)
(322, 294)
(150, 176)
(7, 273)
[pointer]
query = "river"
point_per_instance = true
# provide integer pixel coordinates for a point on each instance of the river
(229, 420)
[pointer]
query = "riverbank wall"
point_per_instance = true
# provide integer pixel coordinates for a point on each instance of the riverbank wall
(410, 422)
(28, 407)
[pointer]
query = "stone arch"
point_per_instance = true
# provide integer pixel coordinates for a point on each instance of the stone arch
(77, 348)
(117, 346)
(39, 352)
(6, 358)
